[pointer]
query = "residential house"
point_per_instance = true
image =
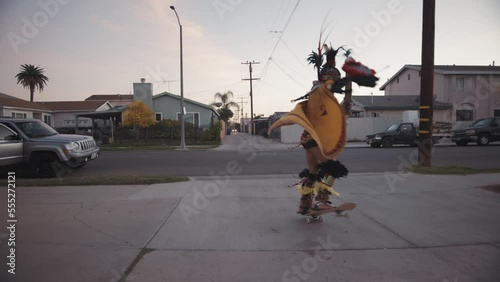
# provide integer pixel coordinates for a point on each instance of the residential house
(393, 106)
(11, 106)
(64, 113)
(114, 99)
(168, 106)
(473, 91)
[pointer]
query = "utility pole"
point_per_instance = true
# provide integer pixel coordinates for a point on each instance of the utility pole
(348, 98)
(427, 84)
(242, 116)
(252, 131)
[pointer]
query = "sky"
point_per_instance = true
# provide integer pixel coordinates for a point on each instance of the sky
(103, 46)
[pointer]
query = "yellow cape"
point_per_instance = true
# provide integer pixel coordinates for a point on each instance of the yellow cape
(323, 117)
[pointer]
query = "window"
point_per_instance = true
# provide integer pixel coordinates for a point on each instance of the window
(464, 115)
(193, 118)
(47, 119)
(496, 113)
(375, 115)
(408, 76)
(464, 84)
(19, 115)
(159, 116)
(397, 80)
(6, 134)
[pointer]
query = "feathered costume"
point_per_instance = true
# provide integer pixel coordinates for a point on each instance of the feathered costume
(322, 117)
(324, 121)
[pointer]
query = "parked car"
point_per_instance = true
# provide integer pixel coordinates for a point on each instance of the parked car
(482, 131)
(71, 130)
(33, 142)
(406, 133)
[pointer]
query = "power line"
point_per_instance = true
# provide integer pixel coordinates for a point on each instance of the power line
(242, 103)
(302, 62)
(290, 68)
(276, 18)
(287, 74)
(214, 89)
(266, 66)
(284, 29)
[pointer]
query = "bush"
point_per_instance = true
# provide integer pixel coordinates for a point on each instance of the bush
(170, 130)
(213, 132)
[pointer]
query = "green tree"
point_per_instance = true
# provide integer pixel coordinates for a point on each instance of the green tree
(138, 115)
(32, 77)
(225, 105)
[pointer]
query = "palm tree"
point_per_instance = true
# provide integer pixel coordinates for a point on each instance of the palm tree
(225, 105)
(32, 77)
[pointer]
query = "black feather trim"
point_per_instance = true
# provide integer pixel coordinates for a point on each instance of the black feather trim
(335, 168)
(304, 173)
(368, 81)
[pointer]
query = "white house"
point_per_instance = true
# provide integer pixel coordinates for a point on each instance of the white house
(64, 113)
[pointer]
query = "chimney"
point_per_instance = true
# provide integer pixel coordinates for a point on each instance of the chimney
(144, 92)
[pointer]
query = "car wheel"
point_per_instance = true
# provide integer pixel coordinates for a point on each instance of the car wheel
(483, 140)
(387, 143)
(44, 165)
(375, 145)
(74, 166)
(461, 143)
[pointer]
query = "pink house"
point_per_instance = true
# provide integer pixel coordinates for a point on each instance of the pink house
(473, 91)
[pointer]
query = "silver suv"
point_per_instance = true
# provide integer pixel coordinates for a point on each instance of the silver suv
(33, 142)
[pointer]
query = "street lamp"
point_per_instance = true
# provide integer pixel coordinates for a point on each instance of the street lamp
(183, 141)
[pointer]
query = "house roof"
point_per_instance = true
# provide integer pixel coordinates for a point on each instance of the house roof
(110, 97)
(447, 69)
(396, 102)
(185, 100)
(113, 112)
(74, 106)
(11, 101)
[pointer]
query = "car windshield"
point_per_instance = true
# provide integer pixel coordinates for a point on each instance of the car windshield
(36, 129)
(481, 122)
(393, 127)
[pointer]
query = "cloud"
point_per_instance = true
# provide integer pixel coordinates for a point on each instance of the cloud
(106, 24)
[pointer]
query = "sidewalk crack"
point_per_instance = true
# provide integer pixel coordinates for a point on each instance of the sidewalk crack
(388, 229)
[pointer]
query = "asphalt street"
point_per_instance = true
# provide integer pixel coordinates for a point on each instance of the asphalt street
(266, 157)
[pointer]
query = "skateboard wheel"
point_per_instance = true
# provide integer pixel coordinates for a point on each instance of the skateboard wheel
(308, 220)
(320, 219)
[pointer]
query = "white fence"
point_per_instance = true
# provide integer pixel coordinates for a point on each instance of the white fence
(357, 128)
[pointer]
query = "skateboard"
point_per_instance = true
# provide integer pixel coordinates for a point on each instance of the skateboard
(315, 215)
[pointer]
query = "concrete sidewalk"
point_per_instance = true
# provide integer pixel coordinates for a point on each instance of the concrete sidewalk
(406, 228)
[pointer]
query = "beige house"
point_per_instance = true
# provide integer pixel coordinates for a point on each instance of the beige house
(473, 91)
(64, 113)
(11, 106)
